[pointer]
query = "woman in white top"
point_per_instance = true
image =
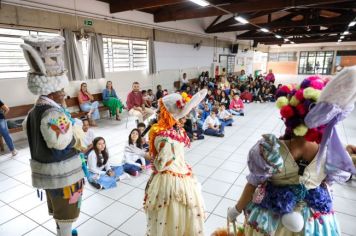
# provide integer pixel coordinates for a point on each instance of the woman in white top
(101, 174)
(135, 157)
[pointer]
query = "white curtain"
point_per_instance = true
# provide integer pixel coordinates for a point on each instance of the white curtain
(96, 69)
(71, 57)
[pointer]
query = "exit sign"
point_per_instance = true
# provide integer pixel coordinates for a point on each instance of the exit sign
(88, 22)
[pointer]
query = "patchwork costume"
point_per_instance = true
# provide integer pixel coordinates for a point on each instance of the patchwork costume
(292, 197)
(53, 136)
(173, 201)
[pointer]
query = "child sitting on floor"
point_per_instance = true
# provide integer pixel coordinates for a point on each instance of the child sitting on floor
(135, 157)
(212, 125)
(88, 138)
(141, 127)
(225, 117)
(237, 106)
(101, 174)
(146, 99)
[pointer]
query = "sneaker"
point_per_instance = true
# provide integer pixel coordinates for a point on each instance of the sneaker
(74, 232)
(124, 176)
(242, 114)
(221, 135)
(96, 185)
(14, 152)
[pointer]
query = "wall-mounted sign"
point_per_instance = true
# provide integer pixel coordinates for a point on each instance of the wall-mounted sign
(88, 22)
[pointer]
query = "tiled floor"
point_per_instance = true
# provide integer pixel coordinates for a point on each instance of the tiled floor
(219, 163)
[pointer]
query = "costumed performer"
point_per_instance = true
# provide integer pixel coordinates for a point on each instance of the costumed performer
(53, 136)
(288, 186)
(173, 202)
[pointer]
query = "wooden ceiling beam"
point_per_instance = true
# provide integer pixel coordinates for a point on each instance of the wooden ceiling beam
(127, 5)
(305, 40)
(290, 24)
(231, 20)
(240, 7)
(257, 35)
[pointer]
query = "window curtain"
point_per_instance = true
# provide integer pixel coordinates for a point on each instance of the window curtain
(71, 57)
(152, 57)
(96, 69)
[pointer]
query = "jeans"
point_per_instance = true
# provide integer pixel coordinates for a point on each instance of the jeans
(91, 106)
(105, 180)
(237, 113)
(226, 122)
(4, 131)
(131, 169)
(214, 132)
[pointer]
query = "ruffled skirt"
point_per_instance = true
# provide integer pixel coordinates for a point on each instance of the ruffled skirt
(174, 206)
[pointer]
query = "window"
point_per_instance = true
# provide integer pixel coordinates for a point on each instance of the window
(282, 56)
(228, 62)
(125, 54)
(12, 60)
(315, 62)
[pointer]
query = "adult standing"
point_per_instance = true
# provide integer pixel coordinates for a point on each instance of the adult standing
(52, 134)
(4, 131)
(135, 104)
(288, 186)
(184, 82)
(112, 101)
(270, 77)
(173, 201)
(87, 104)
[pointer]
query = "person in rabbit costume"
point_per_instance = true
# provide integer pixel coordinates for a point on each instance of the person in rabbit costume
(288, 186)
(53, 135)
(173, 201)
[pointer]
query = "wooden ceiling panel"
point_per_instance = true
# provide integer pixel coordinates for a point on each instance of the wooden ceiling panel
(289, 18)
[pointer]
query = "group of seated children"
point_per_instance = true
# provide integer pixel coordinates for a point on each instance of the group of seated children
(102, 175)
(112, 101)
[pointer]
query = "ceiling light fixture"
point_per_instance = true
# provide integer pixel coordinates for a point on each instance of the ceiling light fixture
(291, 42)
(342, 37)
(286, 40)
(278, 36)
(352, 23)
(339, 40)
(241, 20)
(264, 30)
(202, 3)
(346, 32)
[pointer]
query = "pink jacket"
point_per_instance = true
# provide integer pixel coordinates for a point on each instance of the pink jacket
(236, 104)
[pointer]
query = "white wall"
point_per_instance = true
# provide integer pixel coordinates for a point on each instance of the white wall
(179, 56)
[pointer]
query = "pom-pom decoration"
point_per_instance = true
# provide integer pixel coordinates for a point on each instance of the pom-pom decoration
(311, 93)
(313, 135)
(281, 102)
(294, 101)
(317, 84)
(299, 95)
(301, 110)
(300, 130)
(287, 112)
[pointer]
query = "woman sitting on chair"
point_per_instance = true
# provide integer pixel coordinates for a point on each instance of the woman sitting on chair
(112, 101)
(87, 104)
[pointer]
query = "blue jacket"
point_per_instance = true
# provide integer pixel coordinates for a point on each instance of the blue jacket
(106, 94)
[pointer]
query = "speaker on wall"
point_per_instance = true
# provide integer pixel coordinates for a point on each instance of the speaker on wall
(234, 48)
